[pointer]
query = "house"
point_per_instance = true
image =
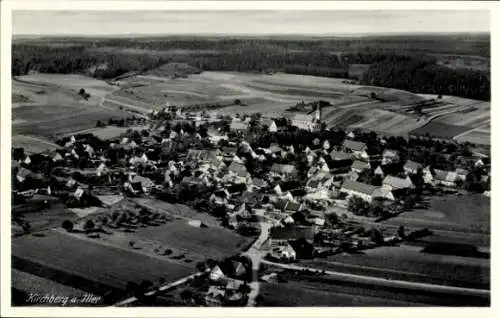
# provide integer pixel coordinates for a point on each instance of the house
(283, 170)
(379, 172)
(238, 169)
(359, 189)
(270, 124)
(461, 173)
(411, 167)
(390, 156)
(445, 178)
(195, 155)
(360, 166)
(283, 252)
(239, 126)
(320, 180)
(288, 206)
(140, 182)
(479, 163)
(309, 122)
(382, 193)
(216, 274)
(24, 173)
(394, 183)
(427, 175)
(340, 156)
(359, 149)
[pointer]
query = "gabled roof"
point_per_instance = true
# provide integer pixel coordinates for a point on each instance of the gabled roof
(442, 175)
(201, 154)
(238, 169)
(379, 170)
(239, 126)
(340, 155)
(360, 165)
(23, 172)
(390, 153)
(268, 122)
(285, 169)
(358, 187)
(412, 165)
(397, 183)
(303, 117)
(354, 145)
(259, 182)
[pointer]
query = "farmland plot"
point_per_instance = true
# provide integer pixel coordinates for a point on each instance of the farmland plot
(32, 144)
(95, 262)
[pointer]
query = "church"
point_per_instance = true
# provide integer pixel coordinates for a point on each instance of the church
(309, 122)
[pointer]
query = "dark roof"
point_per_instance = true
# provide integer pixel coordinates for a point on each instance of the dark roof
(340, 155)
(358, 187)
(293, 232)
(354, 145)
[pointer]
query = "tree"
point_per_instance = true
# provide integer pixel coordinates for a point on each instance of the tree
(67, 225)
(237, 102)
(89, 225)
(357, 205)
(201, 266)
(82, 91)
(376, 236)
(332, 218)
(401, 232)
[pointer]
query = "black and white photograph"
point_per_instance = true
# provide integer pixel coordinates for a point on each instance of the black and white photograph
(249, 158)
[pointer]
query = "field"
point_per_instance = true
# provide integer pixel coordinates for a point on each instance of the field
(440, 130)
(96, 264)
(44, 99)
(111, 132)
(409, 263)
(306, 290)
(469, 214)
(33, 144)
(29, 283)
(56, 108)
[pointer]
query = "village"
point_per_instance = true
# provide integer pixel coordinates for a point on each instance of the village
(320, 191)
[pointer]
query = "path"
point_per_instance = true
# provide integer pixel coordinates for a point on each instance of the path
(256, 255)
(354, 278)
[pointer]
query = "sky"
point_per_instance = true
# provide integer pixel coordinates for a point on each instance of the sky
(95, 23)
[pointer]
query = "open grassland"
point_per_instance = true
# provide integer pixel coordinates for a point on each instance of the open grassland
(33, 144)
(95, 263)
(411, 264)
(42, 218)
(111, 132)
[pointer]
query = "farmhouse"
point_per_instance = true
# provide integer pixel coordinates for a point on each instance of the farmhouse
(357, 148)
(445, 178)
(238, 169)
(411, 167)
(195, 155)
(340, 155)
(239, 126)
(390, 156)
(394, 183)
(283, 170)
(360, 166)
(270, 124)
(140, 182)
(362, 190)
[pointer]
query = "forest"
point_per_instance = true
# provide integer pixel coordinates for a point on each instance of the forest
(403, 63)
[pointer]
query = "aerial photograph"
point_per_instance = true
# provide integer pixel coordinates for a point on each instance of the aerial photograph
(251, 158)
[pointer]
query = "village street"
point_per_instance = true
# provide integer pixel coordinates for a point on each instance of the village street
(256, 255)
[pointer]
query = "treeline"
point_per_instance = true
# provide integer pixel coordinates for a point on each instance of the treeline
(421, 75)
(404, 69)
(78, 59)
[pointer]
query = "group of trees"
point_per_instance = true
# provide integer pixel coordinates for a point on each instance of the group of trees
(421, 75)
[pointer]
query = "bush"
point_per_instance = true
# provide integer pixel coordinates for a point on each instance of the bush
(67, 225)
